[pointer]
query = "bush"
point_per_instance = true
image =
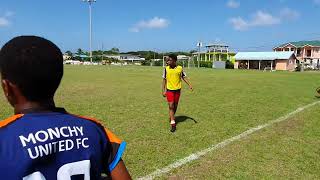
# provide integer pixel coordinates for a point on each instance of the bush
(180, 63)
(298, 68)
(229, 65)
(206, 64)
(145, 63)
(154, 63)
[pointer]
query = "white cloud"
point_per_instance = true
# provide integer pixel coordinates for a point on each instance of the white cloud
(4, 22)
(239, 24)
(233, 4)
(260, 18)
(154, 23)
(264, 19)
(289, 14)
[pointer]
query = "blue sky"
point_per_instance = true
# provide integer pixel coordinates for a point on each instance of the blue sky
(163, 25)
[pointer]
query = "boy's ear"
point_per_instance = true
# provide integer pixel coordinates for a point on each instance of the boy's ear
(5, 87)
(9, 89)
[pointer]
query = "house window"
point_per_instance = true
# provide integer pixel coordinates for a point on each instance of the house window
(309, 53)
(298, 52)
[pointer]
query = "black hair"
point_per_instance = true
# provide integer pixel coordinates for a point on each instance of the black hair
(34, 64)
(173, 57)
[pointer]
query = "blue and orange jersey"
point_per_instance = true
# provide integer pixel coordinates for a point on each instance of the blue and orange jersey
(56, 145)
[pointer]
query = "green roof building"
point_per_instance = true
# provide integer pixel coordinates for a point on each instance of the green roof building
(307, 52)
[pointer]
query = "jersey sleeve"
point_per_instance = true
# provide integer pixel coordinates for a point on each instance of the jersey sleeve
(183, 74)
(114, 150)
(112, 147)
(164, 73)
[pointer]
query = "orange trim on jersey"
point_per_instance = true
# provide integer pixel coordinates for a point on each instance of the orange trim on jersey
(111, 136)
(88, 118)
(9, 120)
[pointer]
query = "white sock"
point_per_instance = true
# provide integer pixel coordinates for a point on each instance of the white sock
(172, 122)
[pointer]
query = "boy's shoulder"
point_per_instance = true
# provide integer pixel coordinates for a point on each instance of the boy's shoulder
(179, 68)
(9, 120)
(55, 118)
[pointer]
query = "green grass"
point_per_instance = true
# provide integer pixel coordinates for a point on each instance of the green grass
(287, 150)
(224, 103)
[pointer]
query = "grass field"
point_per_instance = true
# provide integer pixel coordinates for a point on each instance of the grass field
(224, 104)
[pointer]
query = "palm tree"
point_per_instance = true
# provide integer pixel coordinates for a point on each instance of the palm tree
(79, 52)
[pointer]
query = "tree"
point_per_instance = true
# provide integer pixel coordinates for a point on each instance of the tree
(79, 52)
(69, 53)
(193, 51)
(115, 50)
(97, 53)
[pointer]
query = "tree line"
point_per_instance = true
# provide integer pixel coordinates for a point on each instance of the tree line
(99, 55)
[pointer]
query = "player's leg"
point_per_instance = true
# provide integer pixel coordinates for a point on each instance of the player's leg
(171, 111)
(176, 101)
(175, 107)
(172, 119)
(170, 99)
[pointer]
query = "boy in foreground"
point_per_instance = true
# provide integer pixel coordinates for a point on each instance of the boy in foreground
(42, 141)
(171, 86)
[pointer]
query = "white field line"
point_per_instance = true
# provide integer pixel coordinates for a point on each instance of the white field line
(222, 144)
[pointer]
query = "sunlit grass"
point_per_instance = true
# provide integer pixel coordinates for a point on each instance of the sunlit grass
(224, 103)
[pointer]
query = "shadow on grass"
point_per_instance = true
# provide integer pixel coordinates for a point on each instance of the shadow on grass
(180, 119)
(317, 92)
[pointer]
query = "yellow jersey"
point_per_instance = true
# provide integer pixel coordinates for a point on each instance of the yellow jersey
(173, 77)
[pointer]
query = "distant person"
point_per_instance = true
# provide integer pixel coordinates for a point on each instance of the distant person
(42, 141)
(171, 86)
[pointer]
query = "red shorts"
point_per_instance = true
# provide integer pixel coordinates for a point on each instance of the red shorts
(173, 96)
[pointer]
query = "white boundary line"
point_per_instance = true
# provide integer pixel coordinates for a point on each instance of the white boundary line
(222, 144)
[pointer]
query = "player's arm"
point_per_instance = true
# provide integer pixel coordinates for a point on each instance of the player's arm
(115, 167)
(185, 79)
(164, 83)
(120, 172)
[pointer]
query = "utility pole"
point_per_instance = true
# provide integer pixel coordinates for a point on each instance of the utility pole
(102, 53)
(154, 55)
(199, 44)
(90, 25)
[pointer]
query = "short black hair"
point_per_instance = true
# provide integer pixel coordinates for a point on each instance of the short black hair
(173, 57)
(34, 64)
